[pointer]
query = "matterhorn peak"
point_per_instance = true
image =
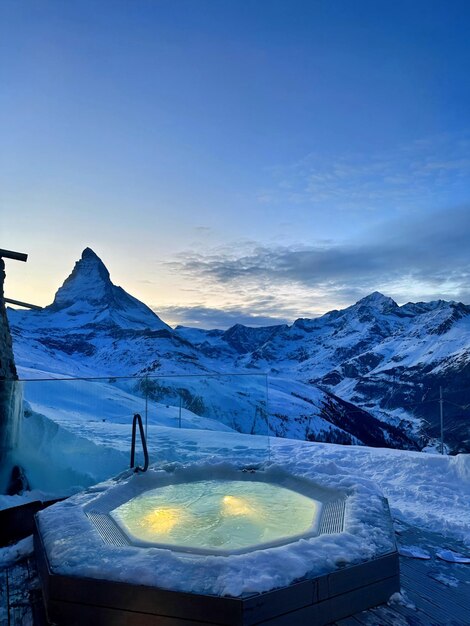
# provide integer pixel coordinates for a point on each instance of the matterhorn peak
(90, 260)
(88, 281)
(88, 296)
(88, 253)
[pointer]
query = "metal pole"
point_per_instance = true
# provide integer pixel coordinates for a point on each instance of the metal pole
(179, 419)
(267, 414)
(441, 403)
(23, 304)
(17, 256)
(146, 403)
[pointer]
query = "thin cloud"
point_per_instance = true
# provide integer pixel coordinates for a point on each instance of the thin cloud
(424, 257)
(420, 174)
(207, 317)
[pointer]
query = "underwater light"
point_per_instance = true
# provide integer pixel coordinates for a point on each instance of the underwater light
(231, 505)
(162, 520)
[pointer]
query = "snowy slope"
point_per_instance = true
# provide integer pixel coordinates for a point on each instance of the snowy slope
(96, 329)
(387, 360)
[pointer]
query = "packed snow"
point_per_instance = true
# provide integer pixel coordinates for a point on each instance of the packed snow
(15, 552)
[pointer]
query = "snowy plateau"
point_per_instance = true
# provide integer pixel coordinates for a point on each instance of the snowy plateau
(369, 374)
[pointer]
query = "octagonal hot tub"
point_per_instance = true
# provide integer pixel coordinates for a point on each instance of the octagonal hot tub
(223, 515)
(217, 546)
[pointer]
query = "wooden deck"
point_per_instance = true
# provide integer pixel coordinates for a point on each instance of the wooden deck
(20, 595)
(436, 593)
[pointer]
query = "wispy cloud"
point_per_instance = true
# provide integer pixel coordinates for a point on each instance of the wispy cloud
(383, 227)
(422, 174)
(207, 317)
(421, 258)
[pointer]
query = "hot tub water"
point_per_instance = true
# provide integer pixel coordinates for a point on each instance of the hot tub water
(226, 515)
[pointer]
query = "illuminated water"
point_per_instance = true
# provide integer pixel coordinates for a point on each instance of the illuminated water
(217, 514)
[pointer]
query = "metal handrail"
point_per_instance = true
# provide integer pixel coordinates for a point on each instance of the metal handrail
(138, 419)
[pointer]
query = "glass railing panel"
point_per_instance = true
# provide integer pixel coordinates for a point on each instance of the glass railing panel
(76, 432)
(11, 411)
(197, 417)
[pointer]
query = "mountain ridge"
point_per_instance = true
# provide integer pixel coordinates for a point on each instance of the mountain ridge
(356, 355)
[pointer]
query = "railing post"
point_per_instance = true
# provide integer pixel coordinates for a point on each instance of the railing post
(441, 415)
(146, 403)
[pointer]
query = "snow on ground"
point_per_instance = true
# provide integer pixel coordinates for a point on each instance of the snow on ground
(428, 490)
(424, 490)
(16, 552)
(75, 403)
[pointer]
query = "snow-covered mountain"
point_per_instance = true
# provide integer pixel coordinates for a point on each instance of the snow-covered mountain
(88, 299)
(367, 374)
(387, 359)
(95, 328)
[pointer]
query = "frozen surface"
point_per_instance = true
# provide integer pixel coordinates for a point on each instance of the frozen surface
(414, 552)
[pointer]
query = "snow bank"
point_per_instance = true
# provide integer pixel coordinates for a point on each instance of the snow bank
(75, 548)
(461, 464)
(58, 462)
(16, 552)
(431, 491)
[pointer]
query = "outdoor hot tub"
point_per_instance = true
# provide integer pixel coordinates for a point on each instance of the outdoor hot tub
(231, 513)
(215, 545)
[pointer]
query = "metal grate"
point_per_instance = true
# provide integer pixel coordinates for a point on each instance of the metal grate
(332, 520)
(109, 532)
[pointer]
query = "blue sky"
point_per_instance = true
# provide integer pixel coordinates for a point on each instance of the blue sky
(242, 161)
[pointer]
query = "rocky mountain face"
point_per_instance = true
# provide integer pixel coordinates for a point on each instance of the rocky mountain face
(367, 374)
(387, 359)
